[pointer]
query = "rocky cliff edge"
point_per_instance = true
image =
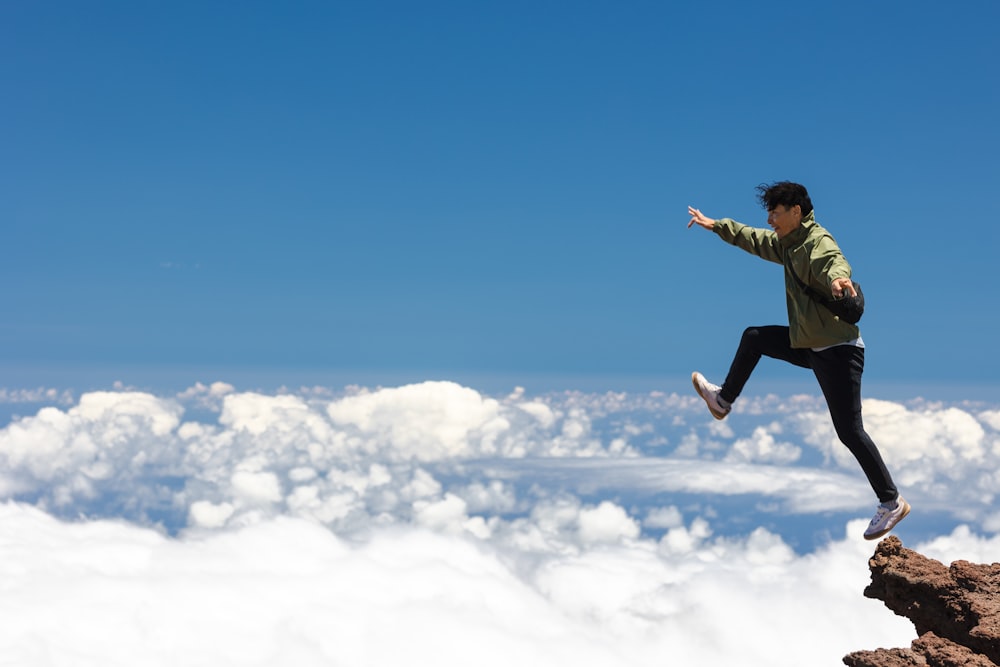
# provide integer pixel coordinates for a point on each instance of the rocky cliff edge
(955, 609)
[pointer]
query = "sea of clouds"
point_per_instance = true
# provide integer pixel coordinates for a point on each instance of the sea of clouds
(433, 524)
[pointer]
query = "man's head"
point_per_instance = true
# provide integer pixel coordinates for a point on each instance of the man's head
(786, 203)
(784, 193)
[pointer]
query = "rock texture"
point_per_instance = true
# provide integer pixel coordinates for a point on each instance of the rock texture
(955, 610)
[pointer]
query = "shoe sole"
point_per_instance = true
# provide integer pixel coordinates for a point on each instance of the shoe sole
(887, 530)
(697, 388)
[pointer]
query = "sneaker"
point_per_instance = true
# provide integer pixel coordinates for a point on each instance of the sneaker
(886, 517)
(710, 393)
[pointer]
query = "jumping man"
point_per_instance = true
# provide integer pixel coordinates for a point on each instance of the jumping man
(815, 338)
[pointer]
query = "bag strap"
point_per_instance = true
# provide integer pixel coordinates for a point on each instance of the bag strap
(805, 288)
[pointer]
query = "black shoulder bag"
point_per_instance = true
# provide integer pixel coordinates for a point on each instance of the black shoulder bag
(848, 308)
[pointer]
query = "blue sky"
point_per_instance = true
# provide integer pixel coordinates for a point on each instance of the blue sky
(465, 189)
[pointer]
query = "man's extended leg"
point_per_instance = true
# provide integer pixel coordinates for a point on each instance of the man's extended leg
(838, 370)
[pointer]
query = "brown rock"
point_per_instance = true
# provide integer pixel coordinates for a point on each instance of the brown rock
(891, 657)
(929, 650)
(939, 652)
(955, 610)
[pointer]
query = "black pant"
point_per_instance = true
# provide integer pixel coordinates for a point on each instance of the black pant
(838, 370)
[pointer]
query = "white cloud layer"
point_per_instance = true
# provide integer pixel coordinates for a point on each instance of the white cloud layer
(431, 523)
(288, 591)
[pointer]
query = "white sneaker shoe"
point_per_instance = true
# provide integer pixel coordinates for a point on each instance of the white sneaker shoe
(710, 393)
(886, 517)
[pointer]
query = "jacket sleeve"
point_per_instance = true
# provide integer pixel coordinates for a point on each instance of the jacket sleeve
(760, 242)
(827, 262)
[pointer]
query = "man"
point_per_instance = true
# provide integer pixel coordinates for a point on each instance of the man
(815, 338)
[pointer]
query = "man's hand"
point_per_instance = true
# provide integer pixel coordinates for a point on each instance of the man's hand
(699, 218)
(840, 285)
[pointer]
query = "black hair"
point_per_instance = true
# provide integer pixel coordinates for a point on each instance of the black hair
(784, 193)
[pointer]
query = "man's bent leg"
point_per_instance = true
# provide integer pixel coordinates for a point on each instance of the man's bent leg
(769, 341)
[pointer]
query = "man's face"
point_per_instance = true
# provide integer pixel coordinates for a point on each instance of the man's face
(784, 220)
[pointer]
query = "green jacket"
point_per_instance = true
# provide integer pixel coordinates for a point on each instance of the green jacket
(816, 259)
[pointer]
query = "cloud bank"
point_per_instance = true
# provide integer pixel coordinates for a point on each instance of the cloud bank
(432, 522)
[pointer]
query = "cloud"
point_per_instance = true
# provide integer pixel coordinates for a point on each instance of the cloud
(762, 446)
(108, 440)
(663, 517)
(256, 487)
(207, 397)
(606, 523)
(570, 527)
(425, 422)
(944, 452)
(348, 459)
(991, 418)
(40, 395)
(288, 591)
(209, 515)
